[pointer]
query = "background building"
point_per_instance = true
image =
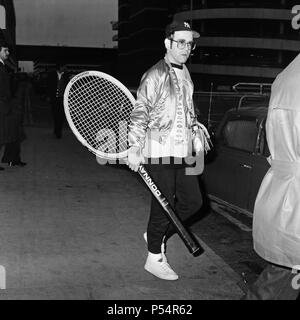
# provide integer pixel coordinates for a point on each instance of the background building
(246, 40)
(77, 59)
(140, 36)
(241, 41)
(8, 29)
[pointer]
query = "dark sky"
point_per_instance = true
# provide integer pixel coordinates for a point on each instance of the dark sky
(66, 22)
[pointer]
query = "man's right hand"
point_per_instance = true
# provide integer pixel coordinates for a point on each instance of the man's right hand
(134, 158)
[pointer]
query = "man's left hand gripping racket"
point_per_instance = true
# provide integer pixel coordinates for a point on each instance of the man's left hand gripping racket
(98, 108)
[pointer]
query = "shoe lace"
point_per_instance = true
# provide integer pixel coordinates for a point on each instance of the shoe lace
(165, 265)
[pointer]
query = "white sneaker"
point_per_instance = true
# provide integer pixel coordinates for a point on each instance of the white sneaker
(159, 268)
(162, 248)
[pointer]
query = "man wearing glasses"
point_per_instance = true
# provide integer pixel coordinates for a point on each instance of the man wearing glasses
(162, 130)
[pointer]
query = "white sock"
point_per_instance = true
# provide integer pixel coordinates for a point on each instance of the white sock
(155, 256)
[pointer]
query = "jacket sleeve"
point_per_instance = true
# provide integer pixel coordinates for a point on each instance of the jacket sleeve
(139, 118)
(193, 114)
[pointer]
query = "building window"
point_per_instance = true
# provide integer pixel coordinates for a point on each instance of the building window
(245, 4)
(240, 57)
(252, 28)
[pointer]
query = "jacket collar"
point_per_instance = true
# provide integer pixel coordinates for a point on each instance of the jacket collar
(185, 69)
(168, 62)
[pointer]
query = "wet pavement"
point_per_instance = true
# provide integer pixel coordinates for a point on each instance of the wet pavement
(73, 229)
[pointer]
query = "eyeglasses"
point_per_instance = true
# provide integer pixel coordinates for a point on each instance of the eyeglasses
(181, 44)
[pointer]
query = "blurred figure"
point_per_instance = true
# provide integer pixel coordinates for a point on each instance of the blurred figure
(24, 93)
(276, 218)
(28, 116)
(57, 83)
(11, 132)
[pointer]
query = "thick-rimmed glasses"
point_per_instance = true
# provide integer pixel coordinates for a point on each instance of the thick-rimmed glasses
(182, 44)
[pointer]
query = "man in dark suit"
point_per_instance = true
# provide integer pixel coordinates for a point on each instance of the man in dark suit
(10, 119)
(58, 81)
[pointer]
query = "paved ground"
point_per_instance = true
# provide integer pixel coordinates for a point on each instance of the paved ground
(72, 229)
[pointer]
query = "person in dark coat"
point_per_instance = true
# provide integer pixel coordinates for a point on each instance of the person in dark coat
(10, 117)
(57, 83)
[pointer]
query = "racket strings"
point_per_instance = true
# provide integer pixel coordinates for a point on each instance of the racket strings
(100, 111)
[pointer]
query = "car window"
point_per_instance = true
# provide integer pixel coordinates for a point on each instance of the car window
(263, 144)
(240, 134)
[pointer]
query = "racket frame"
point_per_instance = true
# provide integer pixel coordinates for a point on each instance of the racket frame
(82, 75)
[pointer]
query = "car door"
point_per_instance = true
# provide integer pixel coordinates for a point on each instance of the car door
(228, 177)
(260, 164)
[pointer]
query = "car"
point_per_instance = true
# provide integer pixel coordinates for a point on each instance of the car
(238, 162)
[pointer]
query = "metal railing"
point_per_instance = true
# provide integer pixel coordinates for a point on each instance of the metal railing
(211, 106)
(253, 87)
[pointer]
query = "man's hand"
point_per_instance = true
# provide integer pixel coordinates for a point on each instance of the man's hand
(134, 158)
(203, 128)
(201, 138)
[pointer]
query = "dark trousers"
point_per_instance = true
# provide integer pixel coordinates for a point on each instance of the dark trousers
(275, 283)
(12, 152)
(182, 192)
(58, 114)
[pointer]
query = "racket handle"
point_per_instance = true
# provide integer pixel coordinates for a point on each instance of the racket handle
(189, 240)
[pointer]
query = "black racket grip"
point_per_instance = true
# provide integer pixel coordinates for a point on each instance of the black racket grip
(189, 240)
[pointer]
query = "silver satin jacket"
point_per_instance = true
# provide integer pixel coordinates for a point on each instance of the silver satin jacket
(157, 98)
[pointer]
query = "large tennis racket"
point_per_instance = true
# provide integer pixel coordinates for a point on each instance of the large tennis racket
(98, 108)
